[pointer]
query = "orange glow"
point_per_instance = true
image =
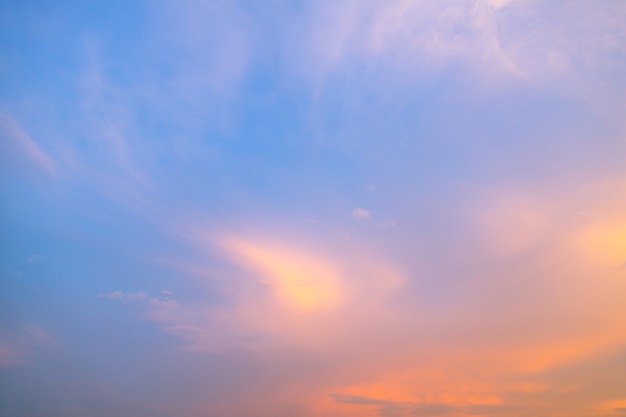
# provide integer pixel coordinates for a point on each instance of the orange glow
(606, 244)
(301, 280)
(387, 354)
(611, 406)
(547, 355)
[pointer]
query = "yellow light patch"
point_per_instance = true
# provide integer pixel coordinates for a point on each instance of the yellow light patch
(301, 280)
(606, 244)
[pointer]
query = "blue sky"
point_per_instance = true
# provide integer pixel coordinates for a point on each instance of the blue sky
(351, 208)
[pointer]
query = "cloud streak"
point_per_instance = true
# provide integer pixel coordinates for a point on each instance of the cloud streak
(21, 151)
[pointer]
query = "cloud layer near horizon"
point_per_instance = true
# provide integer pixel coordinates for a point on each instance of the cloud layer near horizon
(353, 208)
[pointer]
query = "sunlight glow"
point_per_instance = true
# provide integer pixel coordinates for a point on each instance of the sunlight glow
(301, 280)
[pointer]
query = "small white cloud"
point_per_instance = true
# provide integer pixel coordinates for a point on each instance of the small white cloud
(360, 214)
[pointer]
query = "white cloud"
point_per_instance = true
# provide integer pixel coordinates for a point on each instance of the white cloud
(408, 37)
(360, 214)
(494, 41)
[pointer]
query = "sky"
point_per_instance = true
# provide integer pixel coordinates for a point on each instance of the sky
(313, 208)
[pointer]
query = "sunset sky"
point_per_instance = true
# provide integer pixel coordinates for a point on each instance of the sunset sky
(341, 208)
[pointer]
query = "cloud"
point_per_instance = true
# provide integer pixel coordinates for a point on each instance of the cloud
(409, 37)
(199, 326)
(111, 124)
(20, 151)
(486, 46)
(500, 302)
(388, 224)
(605, 243)
(276, 291)
(360, 214)
(353, 399)
(301, 280)
(404, 408)
(397, 346)
(123, 296)
(22, 342)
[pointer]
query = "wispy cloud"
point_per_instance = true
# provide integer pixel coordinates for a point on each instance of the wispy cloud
(215, 163)
(397, 408)
(20, 343)
(406, 36)
(20, 151)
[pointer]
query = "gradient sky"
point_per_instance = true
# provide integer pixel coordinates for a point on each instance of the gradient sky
(313, 208)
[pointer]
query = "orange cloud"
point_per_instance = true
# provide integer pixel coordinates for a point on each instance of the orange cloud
(535, 307)
(301, 280)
